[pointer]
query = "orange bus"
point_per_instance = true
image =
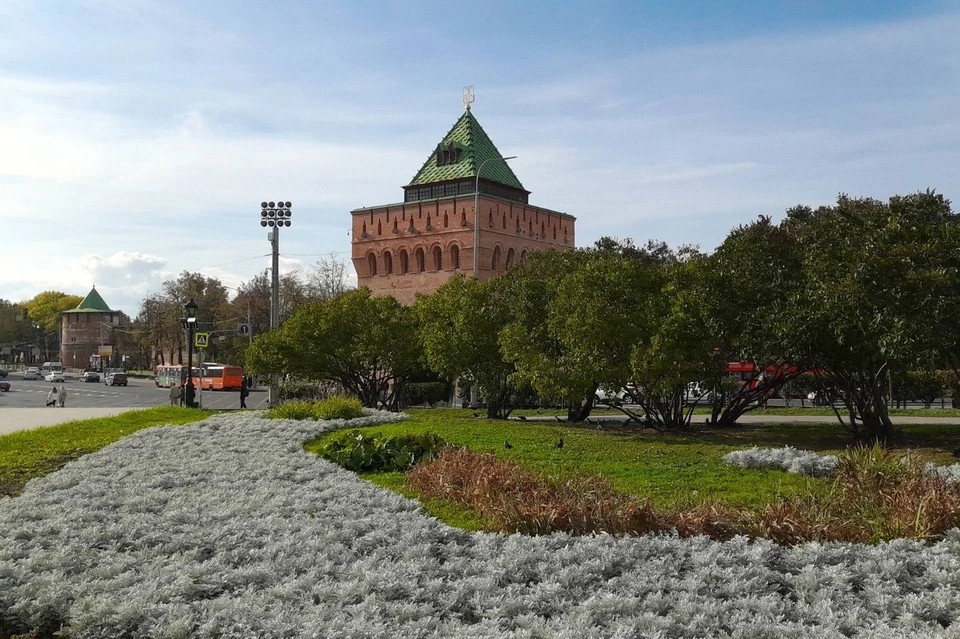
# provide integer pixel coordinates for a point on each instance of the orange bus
(215, 376)
(219, 377)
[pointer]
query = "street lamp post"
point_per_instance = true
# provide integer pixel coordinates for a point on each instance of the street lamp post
(474, 390)
(476, 216)
(189, 321)
(274, 215)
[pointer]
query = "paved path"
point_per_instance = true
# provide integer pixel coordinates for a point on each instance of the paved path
(12, 419)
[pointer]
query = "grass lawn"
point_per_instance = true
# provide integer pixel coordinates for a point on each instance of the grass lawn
(33, 453)
(674, 470)
(821, 411)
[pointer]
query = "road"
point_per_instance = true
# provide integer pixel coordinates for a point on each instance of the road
(139, 393)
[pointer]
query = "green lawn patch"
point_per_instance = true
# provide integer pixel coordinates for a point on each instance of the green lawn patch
(671, 470)
(37, 452)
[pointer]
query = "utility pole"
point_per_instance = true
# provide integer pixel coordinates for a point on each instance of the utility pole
(274, 215)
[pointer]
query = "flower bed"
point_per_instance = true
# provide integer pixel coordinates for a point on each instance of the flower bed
(229, 528)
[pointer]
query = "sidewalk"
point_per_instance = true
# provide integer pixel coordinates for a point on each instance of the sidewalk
(13, 419)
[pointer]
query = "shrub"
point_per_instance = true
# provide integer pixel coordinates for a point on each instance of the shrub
(371, 452)
(787, 458)
(339, 407)
(293, 410)
(517, 500)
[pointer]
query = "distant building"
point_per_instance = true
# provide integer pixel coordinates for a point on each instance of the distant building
(86, 332)
(416, 245)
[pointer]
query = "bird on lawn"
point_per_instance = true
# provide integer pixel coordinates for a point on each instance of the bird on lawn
(559, 444)
(557, 417)
(507, 444)
(476, 414)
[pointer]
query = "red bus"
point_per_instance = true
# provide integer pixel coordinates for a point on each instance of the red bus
(215, 376)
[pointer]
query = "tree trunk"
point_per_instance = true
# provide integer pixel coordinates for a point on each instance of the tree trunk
(577, 414)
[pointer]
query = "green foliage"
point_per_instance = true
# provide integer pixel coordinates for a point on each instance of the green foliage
(459, 327)
(415, 394)
(336, 407)
(364, 343)
(339, 407)
(45, 308)
(293, 410)
(876, 277)
(33, 453)
(366, 452)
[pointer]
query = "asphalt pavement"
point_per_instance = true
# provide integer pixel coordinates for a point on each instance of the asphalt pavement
(24, 405)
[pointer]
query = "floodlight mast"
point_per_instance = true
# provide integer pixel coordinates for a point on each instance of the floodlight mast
(274, 215)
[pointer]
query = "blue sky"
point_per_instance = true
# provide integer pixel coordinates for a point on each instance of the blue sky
(137, 138)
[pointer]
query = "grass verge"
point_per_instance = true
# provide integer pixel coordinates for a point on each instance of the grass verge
(40, 451)
(672, 471)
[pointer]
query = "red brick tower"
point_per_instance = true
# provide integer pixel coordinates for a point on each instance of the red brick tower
(84, 329)
(416, 245)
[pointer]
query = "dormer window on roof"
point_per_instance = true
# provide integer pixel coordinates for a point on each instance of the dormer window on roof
(448, 155)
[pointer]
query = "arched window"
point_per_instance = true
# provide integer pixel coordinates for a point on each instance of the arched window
(523, 256)
(497, 254)
(387, 263)
(437, 258)
(418, 255)
(510, 257)
(446, 221)
(455, 257)
(371, 264)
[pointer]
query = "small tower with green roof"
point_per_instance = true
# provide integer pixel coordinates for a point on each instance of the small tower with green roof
(87, 332)
(414, 246)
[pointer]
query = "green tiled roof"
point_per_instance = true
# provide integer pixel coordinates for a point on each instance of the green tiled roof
(92, 303)
(476, 147)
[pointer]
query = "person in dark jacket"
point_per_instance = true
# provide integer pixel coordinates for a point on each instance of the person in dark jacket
(190, 395)
(244, 391)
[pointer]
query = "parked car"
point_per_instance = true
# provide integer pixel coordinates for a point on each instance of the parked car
(115, 379)
(32, 373)
(54, 376)
(613, 397)
(90, 376)
(4, 386)
(3, 374)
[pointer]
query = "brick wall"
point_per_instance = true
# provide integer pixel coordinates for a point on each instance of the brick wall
(388, 241)
(80, 335)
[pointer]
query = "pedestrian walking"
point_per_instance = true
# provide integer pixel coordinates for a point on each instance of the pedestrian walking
(62, 396)
(174, 395)
(244, 391)
(190, 395)
(52, 397)
(183, 392)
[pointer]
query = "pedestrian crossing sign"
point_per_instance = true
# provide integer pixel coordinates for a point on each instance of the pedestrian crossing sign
(201, 340)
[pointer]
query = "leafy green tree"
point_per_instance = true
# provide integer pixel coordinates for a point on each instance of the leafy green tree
(530, 342)
(459, 327)
(366, 344)
(746, 286)
(873, 274)
(45, 308)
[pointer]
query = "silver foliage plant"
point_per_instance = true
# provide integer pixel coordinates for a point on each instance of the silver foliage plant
(788, 458)
(950, 474)
(228, 528)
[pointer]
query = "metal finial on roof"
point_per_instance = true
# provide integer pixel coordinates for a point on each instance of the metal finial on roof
(468, 96)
